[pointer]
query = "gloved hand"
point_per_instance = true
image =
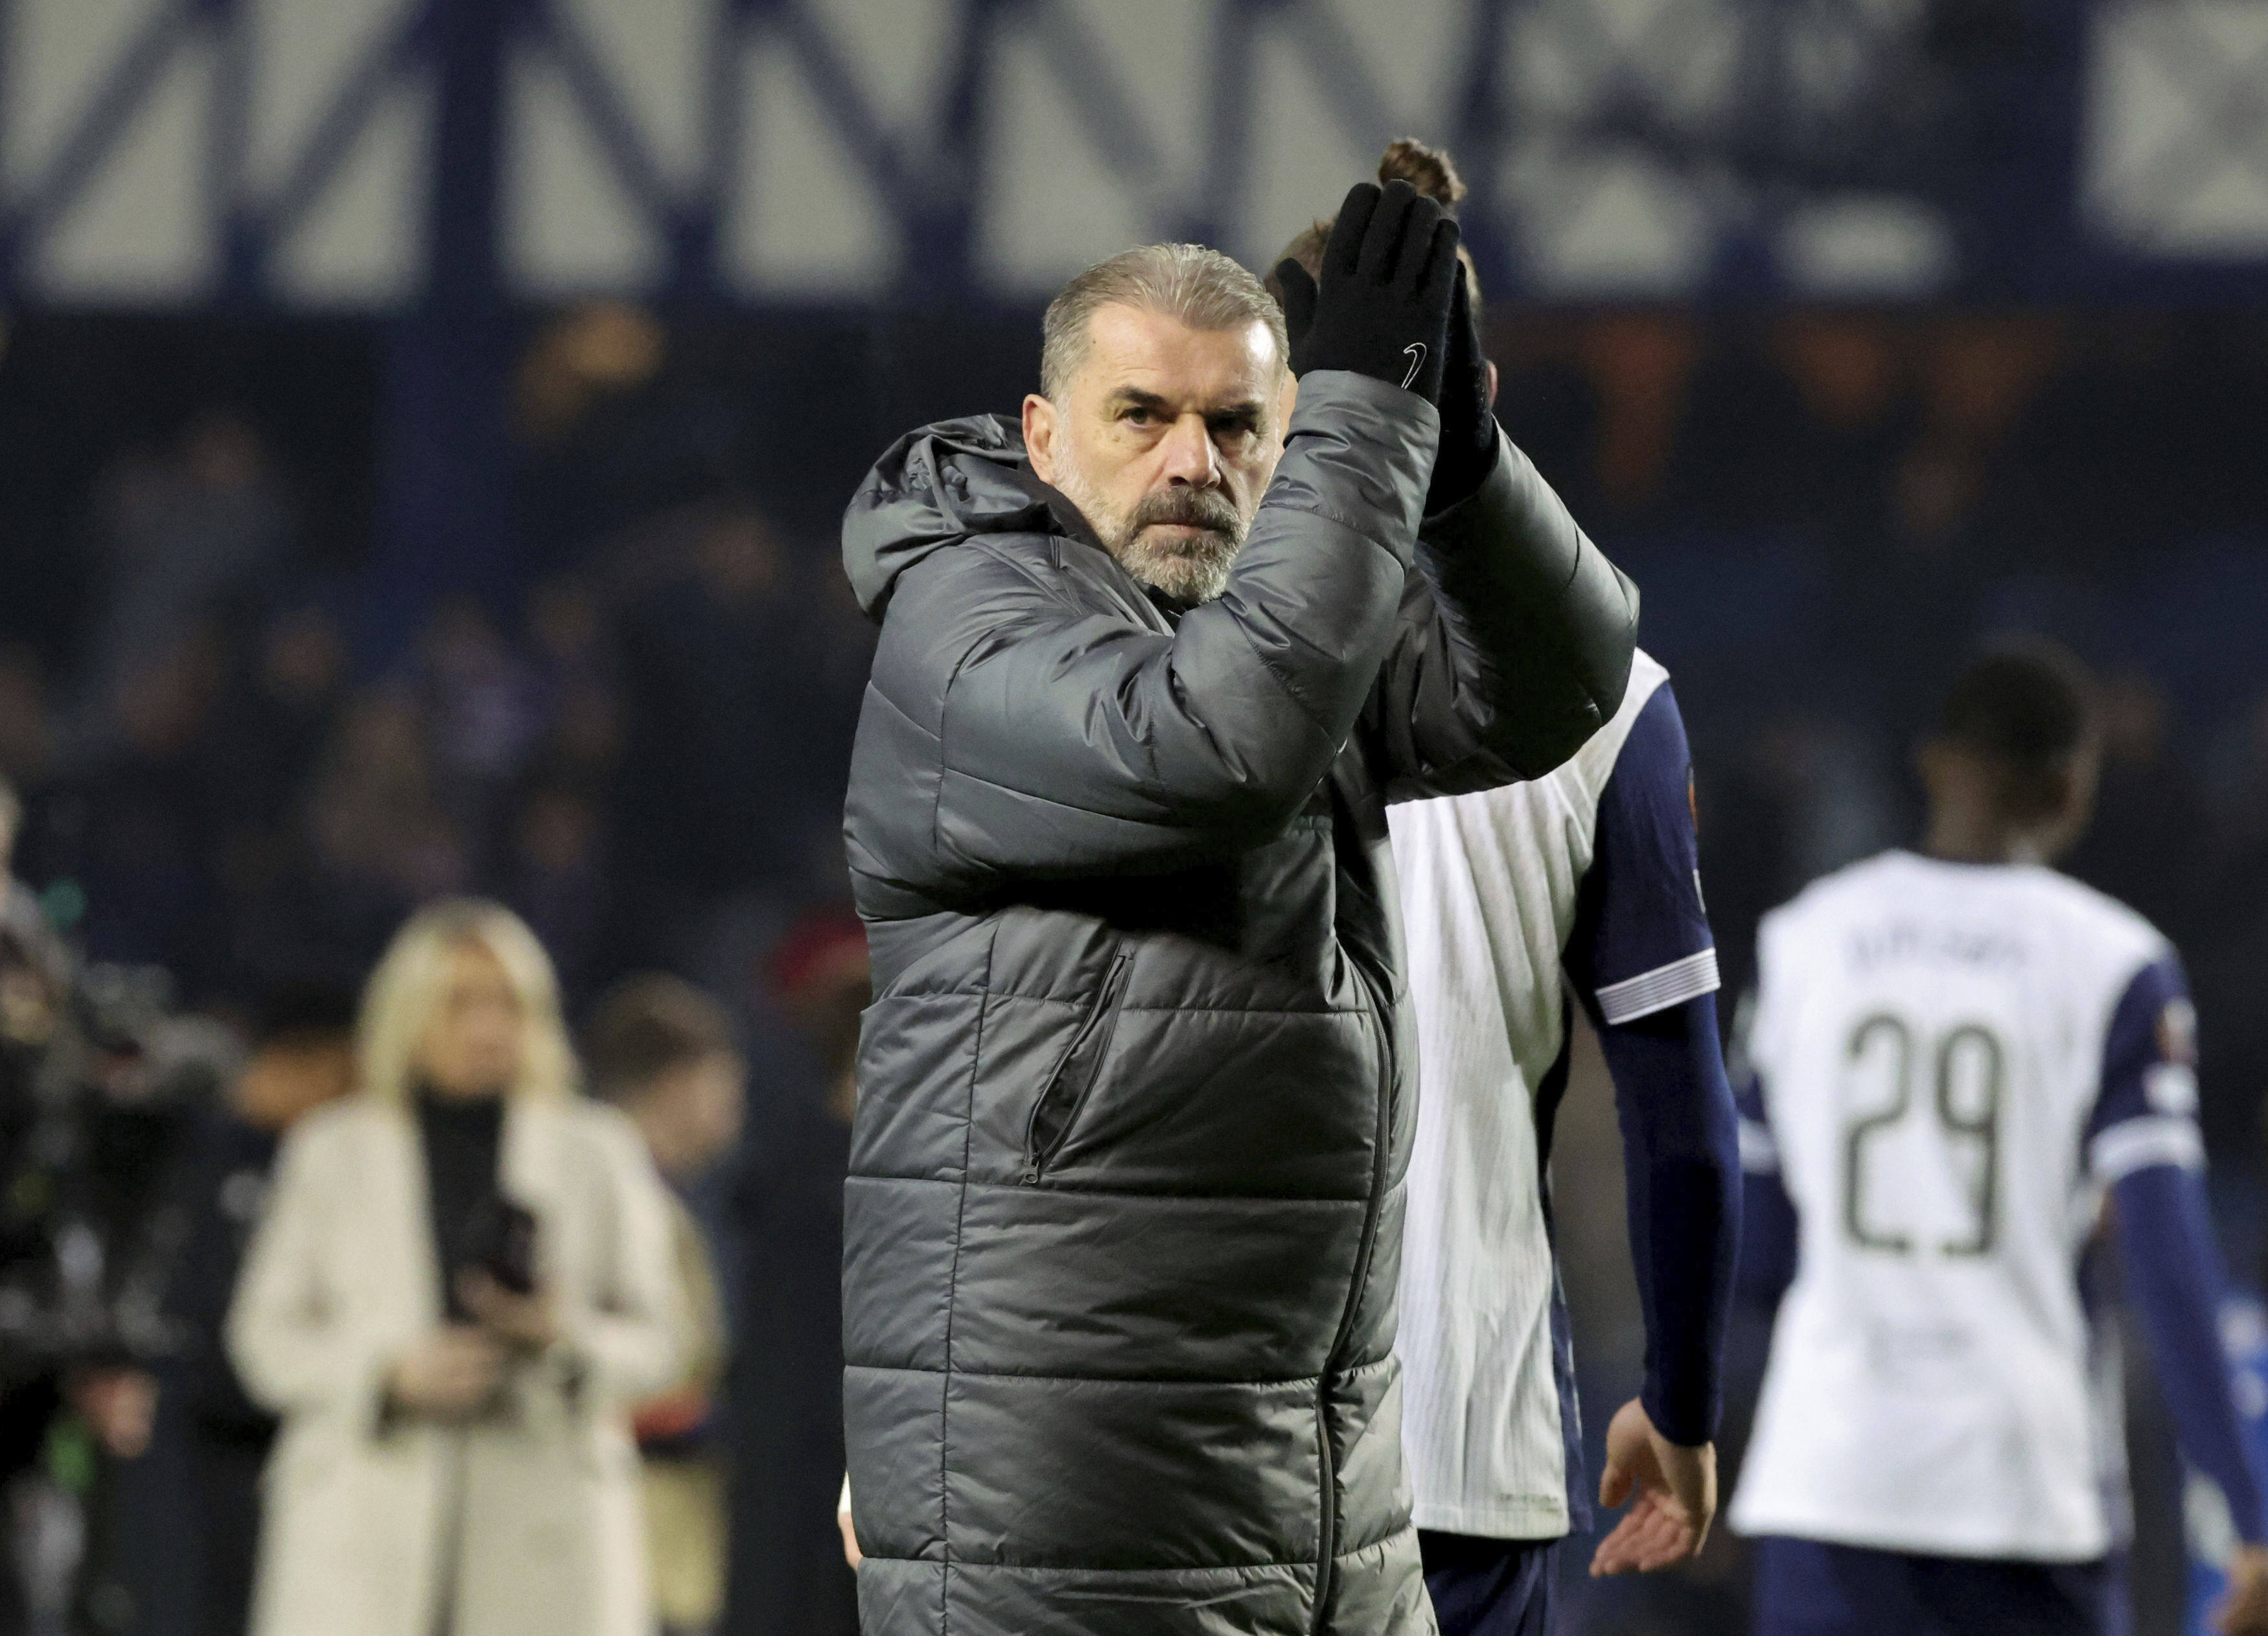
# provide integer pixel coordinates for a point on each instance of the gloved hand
(1468, 436)
(1388, 276)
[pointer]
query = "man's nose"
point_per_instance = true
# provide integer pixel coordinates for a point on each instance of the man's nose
(1189, 455)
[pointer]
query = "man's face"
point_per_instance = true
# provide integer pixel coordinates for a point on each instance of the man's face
(1165, 441)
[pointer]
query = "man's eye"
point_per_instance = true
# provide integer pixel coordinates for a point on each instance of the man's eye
(1139, 417)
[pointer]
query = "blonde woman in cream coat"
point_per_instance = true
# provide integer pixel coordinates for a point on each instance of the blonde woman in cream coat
(455, 1458)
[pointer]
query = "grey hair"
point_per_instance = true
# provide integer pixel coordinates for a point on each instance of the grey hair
(1201, 287)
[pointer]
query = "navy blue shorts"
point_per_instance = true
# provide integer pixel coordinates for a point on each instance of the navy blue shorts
(1806, 1588)
(1490, 1586)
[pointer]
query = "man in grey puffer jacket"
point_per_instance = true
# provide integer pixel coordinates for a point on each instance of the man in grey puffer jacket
(1122, 1228)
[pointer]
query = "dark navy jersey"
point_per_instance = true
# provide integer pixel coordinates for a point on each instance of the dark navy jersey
(1641, 941)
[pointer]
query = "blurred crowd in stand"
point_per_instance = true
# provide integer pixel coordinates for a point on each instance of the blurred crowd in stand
(226, 795)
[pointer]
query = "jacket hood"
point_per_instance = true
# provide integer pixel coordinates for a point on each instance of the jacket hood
(935, 488)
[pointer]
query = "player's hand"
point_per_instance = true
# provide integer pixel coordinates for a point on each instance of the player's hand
(1382, 307)
(852, 1554)
(2244, 1611)
(1676, 1496)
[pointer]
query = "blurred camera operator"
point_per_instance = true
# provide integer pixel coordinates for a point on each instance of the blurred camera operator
(32, 997)
(462, 1281)
(303, 1057)
(34, 980)
(100, 1084)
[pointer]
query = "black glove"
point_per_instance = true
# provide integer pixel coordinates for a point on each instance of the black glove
(1469, 439)
(1383, 307)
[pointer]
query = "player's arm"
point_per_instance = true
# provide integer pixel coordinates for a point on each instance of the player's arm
(1643, 962)
(1768, 1223)
(2143, 1143)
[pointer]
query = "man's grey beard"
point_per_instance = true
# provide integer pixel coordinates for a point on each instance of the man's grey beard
(1191, 569)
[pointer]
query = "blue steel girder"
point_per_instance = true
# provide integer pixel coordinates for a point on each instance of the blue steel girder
(105, 117)
(1228, 156)
(227, 141)
(248, 229)
(1983, 141)
(2229, 117)
(686, 224)
(1349, 91)
(360, 90)
(918, 195)
(1482, 119)
(1114, 123)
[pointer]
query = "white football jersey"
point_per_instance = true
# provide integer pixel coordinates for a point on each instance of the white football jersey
(1929, 1043)
(1492, 888)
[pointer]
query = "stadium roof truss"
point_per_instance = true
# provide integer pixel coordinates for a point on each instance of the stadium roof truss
(355, 153)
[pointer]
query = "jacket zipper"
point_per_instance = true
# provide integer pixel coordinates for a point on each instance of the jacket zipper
(1091, 1043)
(1326, 1558)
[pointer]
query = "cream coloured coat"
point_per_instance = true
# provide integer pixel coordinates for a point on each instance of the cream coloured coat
(542, 1500)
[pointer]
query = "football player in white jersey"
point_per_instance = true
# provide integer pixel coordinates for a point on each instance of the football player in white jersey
(1956, 1053)
(1584, 880)
(1581, 884)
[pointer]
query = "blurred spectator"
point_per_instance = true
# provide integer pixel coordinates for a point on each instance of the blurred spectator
(462, 1281)
(725, 775)
(1548, 404)
(1641, 364)
(787, 1567)
(480, 704)
(376, 841)
(1849, 373)
(554, 875)
(583, 724)
(100, 1086)
(1724, 464)
(662, 1052)
(142, 1078)
(280, 710)
(2095, 467)
(136, 828)
(1808, 795)
(34, 995)
(186, 531)
(26, 733)
(22, 920)
(616, 425)
(594, 349)
(2147, 847)
(302, 1058)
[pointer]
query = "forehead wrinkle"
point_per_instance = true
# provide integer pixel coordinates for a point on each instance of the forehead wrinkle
(1213, 371)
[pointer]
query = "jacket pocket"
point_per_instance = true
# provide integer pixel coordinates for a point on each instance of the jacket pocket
(1075, 1073)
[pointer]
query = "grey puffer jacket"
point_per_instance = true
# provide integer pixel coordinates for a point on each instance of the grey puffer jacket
(1123, 1224)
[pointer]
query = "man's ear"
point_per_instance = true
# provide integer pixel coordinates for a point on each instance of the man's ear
(1040, 424)
(1491, 378)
